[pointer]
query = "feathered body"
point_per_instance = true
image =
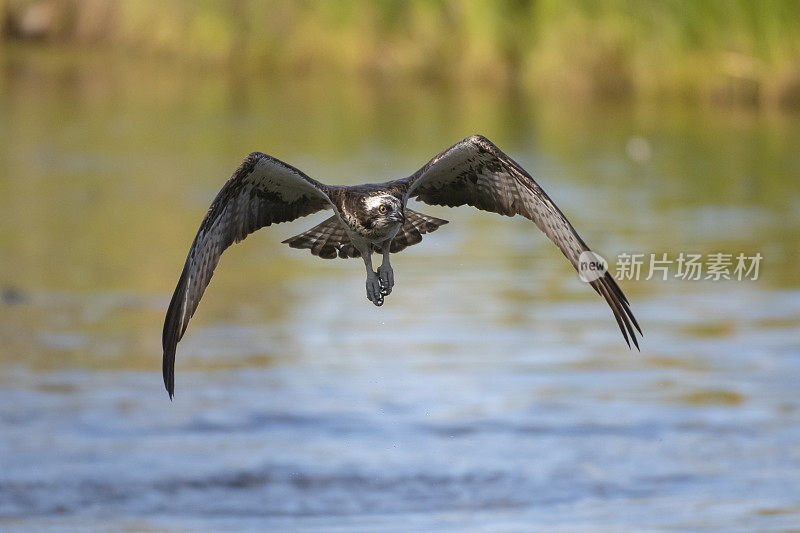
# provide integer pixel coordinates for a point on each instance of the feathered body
(357, 224)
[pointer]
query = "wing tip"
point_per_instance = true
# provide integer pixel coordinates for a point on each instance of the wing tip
(168, 369)
(607, 287)
(171, 334)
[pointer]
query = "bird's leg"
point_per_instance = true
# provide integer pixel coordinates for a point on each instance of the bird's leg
(374, 292)
(385, 272)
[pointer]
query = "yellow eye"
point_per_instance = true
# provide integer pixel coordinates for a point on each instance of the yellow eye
(382, 209)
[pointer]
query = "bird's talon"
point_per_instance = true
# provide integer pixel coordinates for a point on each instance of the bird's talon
(386, 278)
(375, 290)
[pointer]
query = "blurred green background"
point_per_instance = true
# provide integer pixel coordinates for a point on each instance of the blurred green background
(732, 52)
(493, 389)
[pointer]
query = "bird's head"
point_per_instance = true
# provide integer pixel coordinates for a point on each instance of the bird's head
(384, 210)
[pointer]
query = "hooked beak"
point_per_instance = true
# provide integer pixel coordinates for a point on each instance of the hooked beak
(397, 217)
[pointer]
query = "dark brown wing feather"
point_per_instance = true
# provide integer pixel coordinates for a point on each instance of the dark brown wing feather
(475, 172)
(262, 191)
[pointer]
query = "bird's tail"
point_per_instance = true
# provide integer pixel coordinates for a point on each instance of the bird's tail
(415, 227)
(327, 240)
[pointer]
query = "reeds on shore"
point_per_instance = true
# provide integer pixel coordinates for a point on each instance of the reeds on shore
(722, 51)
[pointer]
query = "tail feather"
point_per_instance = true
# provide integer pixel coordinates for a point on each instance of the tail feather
(416, 225)
(324, 240)
(329, 239)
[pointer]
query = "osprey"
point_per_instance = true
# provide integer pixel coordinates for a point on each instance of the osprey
(371, 218)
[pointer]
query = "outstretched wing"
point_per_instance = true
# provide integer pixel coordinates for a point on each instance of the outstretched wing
(476, 172)
(262, 191)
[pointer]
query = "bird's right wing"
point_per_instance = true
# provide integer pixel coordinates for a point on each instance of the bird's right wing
(262, 191)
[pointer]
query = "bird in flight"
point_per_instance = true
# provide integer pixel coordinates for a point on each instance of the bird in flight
(371, 218)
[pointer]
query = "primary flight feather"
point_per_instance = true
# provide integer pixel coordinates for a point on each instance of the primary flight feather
(370, 218)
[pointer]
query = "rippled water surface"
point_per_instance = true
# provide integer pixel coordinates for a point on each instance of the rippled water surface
(492, 391)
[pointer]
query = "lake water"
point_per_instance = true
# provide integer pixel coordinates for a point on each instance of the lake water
(492, 391)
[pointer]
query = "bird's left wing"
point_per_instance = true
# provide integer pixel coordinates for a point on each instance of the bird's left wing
(476, 172)
(262, 191)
